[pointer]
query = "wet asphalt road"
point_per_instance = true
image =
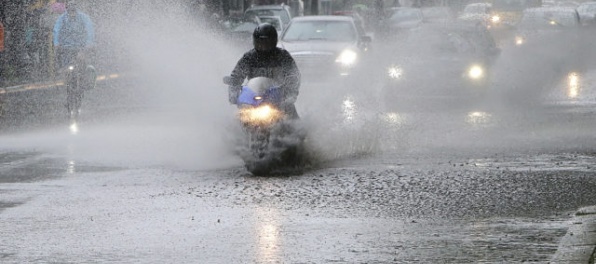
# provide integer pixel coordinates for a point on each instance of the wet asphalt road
(464, 185)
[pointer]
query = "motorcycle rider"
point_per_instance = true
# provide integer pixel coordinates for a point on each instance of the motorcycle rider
(267, 60)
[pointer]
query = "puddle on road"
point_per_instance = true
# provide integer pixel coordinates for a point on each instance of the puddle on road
(545, 162)
(5, 205)
(33, 166)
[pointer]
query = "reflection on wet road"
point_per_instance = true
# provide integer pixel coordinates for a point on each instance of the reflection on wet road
(446, 209)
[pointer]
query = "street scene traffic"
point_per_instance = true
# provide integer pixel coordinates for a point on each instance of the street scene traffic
(298, 131)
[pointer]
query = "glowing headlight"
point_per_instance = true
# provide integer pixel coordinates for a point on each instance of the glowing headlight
(347, 58)
(263, 114)
(71, 67)
(495, 19)
(476, 72)
(395, 72)
(74, 128)
(519, 40)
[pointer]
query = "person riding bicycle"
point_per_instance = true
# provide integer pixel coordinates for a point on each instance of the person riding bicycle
(267, 60)
(73, 38)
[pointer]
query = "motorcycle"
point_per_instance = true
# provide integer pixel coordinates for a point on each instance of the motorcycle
(270, 137)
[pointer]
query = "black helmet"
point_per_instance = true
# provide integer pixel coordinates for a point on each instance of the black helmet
(264, 38)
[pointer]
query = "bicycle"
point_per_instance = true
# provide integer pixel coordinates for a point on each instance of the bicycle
(80, 76)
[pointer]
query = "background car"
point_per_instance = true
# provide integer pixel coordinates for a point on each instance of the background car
(571, 4)
(281, 11)
(438, 14)
(479, 12)
(587, 13)
(325, 46)
(239, 32)
(441, 60)
(547, 26)
(275, 21)
(401, 19)
(358, 19)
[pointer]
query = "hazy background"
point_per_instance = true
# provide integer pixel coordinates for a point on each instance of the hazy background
(175, 111)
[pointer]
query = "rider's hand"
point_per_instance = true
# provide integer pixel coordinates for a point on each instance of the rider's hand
(289, 100)
(233, 93)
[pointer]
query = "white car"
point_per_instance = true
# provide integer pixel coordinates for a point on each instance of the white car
(325, 46)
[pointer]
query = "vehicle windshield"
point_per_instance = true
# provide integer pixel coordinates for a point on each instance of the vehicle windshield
(587, 8)
(548, 20)
(475, 9)
(273, 21)
(515, 5)
(440, 42)
(320, 30)
(436, 13)
(268, 12)
(248, 26)
(405, 15)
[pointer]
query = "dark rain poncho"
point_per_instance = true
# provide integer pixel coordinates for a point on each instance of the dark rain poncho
(277, 65)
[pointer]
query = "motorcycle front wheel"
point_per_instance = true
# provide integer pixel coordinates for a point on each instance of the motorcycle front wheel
(74, 97)
(259, 162)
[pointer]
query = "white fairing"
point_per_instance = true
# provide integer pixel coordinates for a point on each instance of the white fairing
(260, 84)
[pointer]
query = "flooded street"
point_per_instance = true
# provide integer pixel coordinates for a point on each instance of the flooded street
(429, 187)
(451, 211)
(410, 154)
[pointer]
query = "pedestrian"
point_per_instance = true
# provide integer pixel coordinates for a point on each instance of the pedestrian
(73, 39)
(73, 33)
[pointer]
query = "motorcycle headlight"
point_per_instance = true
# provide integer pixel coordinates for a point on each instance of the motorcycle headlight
(475, 72)
(347, 58)
(395, 72)
(263, 114)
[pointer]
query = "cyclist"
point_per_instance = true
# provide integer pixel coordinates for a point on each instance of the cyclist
(73, 37)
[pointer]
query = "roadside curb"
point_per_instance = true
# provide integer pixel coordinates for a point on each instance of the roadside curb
(579, 244)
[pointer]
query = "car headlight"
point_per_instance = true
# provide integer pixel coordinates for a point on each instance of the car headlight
(347, 58)
(519, 40)
(495, 19)
(395, 72)
(475, 72)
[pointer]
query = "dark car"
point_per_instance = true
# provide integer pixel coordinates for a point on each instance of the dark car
(479, 12)
(402, 19)
(325, 46)
(548, 25)
(587, 13)
(240, 32)
(441, 60)
(438, 14)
